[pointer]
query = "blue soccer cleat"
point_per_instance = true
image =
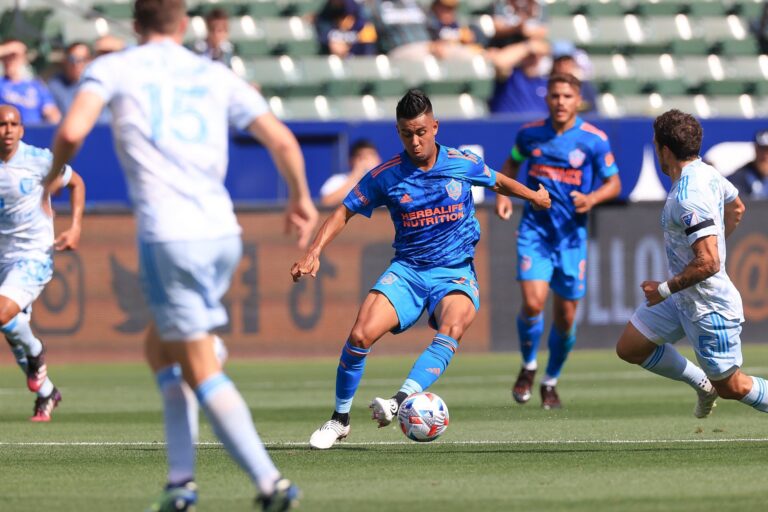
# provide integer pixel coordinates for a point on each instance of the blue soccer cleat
(285, 497)
(175, 498)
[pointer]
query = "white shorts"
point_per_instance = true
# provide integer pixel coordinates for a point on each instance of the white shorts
(183, 283)
(23, 280)
(715, 339)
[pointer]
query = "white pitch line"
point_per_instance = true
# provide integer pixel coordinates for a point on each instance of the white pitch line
(300, 444)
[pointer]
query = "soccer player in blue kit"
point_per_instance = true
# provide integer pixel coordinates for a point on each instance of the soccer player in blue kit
(426, 189)
(566, 155)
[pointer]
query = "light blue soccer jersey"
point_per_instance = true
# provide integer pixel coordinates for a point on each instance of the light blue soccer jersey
(571, 161)
(694, 210)
(25, 230)
(433, 211)
(171, 113)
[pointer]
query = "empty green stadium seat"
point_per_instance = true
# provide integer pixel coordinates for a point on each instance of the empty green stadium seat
(735, 47)
(116, 10)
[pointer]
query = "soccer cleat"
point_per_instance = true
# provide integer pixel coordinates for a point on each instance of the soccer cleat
(285, 497)
(384, 410)
(37, 372)
(176, 498)
(44, 406)
(549, 398)
(521, 391)
(327, 435)
(705, 403)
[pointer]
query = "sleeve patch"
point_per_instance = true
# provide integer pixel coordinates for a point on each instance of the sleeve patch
(701, 225)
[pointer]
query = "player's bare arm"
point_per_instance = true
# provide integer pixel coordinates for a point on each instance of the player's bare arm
(69, 239)
(310, 262)
(733, 212)
(610, 189)
(705, 264)
(509, 187)
(301, 214)
(504, 206)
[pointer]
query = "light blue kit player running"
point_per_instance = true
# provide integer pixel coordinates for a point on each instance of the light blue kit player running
(171, 114)
(426, 189)
(698, 301)
(566, 155)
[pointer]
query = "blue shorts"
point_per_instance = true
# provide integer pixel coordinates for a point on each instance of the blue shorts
(564, 269)
(183, 283)
(715, 339)
(412, 290)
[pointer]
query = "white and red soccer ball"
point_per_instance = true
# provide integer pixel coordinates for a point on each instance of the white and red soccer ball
(423, 417)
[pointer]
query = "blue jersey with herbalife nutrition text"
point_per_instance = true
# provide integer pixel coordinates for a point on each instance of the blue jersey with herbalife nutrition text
(433, 211)
(571, 161)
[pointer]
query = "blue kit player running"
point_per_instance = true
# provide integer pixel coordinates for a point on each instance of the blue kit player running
(171, 115)
(566, 155)
(426, 189)
(698, 301)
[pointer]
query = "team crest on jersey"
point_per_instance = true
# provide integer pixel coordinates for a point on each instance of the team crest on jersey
(526, 263)
(26, 185)
(388, 278)
(690, 219)
(576, 157)
(454, 189)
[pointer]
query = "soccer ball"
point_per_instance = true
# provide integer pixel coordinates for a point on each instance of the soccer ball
(423, 417)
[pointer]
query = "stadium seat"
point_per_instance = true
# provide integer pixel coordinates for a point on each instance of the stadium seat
(280, 76)
(719, 29)
(461, 106)
(359, 107)
(121, 10)
(290, 36)
(302, 7)
(307, 108)
(376, 74)
(736, 47)
(706, 7)
(248, 37)
(747, 68)
(330, 73)
(732, 106)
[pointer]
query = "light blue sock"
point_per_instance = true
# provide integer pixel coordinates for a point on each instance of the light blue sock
(529, 331)
(233, 425)
(560, 345)
(757, 397)
(668, 362)
(19, 333)
(20, 355)
(348, 375)
(180, 417)
(431, 364)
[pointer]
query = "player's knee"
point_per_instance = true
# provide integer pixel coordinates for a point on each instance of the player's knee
(626, 353)
(733, 388)
(532, 308)
(6, 316)
(454, 329)
(11, 325)
(360, 337)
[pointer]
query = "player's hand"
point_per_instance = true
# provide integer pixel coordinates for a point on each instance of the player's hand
(541, 201)
(651, 291)
(309, 264)
(301, 217)
(503, 207)
(582, 202)
(68, 240)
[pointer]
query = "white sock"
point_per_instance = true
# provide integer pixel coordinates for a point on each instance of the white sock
(232, 422)
(533, 365)
(180, 413)
(668, 362)
(758, 395)
(46, 389)
(549, 381)
(19, 333)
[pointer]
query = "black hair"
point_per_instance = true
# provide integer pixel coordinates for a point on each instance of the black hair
(680, 132)
(361, 144)
(413, 104)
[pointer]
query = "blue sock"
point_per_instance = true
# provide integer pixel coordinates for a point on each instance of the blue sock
(348, 375)
(560, 344)
(758, 395)
(431, 364)
(529, 330)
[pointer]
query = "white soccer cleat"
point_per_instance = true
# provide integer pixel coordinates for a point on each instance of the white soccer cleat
(705, 403)
(327, 435)
(384, 410)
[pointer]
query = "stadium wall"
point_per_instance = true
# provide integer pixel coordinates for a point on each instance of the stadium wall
(93, 307)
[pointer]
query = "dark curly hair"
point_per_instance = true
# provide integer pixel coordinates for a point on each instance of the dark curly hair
(680, 132)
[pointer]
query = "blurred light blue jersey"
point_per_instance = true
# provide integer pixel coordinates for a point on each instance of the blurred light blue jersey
(572, 161)
(433, 211)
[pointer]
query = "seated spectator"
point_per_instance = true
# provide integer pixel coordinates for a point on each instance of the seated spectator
(64, 85)
(522, 71)
(363, 157)
(216, 45)
(752, 179)
(401, 26)
(107, 44)
(517, 20)
(571, 61)
(29, 95)
(451, 39)
(344, 29)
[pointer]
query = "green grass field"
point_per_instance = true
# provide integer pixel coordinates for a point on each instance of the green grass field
(626, 440)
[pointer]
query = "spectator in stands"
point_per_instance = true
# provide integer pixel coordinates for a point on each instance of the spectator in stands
(752, 179)
(401, 26)
(522, 71)
(64, 85)
(363, 156)
(29, 95)
(343, 29)
(107, 44)
(451, 39)
(569, 60)
(216, 45)
(517, 20)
